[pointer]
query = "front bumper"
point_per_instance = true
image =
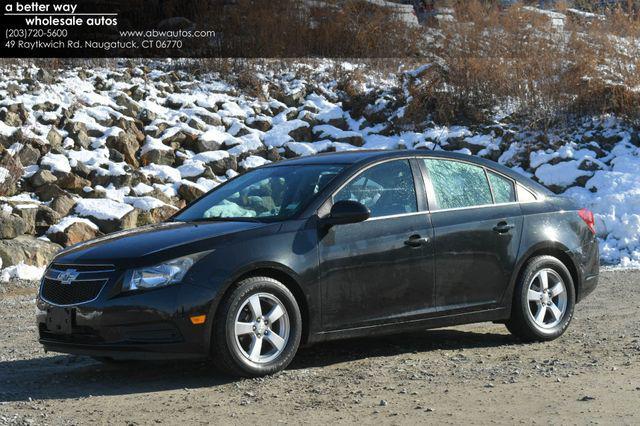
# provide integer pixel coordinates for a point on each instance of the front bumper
(147, 325)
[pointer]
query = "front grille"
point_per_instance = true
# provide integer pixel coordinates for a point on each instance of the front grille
(74, 284)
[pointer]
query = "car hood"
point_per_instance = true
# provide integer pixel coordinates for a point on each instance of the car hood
(156, 243)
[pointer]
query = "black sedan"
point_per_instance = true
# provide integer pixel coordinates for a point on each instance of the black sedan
(326, 247)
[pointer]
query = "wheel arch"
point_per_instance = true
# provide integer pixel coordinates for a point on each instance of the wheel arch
(276, 271)
(557, 250)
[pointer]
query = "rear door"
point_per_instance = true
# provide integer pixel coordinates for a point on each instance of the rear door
(379, 270)
(477, 225)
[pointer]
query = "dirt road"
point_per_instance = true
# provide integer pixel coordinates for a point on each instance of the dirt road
(470, 374)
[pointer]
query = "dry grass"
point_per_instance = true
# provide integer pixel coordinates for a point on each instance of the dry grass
(518, 62)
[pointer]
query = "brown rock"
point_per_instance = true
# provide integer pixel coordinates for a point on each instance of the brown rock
(11, 172)
(49, 191)
(302, 133)
(27, 249)
(160, 214)
(75, 233)
(62, 204)
(10, 118)
(54, 137)
(190, 192)
(163, 157)
(42, 177)
(127, 145)
(28, 155)
(28, 214)
(11, 226)
(45, 217)
(72, 182)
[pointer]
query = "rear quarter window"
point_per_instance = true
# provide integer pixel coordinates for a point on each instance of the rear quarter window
(503, 188)
(524, 195)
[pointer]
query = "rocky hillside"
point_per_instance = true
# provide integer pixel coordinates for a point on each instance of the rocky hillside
(86, 152)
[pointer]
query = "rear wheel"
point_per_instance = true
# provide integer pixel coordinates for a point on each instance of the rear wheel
(544, 300)
(257, 329)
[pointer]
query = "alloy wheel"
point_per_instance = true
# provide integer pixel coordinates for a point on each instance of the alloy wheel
(262, 328)
(547, 298)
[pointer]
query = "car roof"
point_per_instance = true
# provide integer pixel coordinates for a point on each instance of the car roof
(363, 157)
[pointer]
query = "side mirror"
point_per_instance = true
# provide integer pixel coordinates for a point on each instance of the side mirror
(346, 211)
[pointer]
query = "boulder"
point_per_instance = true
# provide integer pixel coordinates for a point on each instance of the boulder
(108, 215)
(81, 170)
(156, 215)
(28, 250)
(78, 132)
(28, 214)
(190, 192)
(197, 124)
(302, 133)
(115, 156)
(273, 155)
(49, 191)
(54, 137)
(128, 145)
(206, 145)
(42, 177)
(28, 155)
(261, 123)
(131, 107)
(218, 161)
(212, 119)
(45, 217)
(10, 173)
(10, 118)
(62, 204)
(159, 156)
(72, 182)
(162, 213)
(132, 127)
(75, 233)
(11, 226)
(147, 116)
(293, 98)
(44, 76)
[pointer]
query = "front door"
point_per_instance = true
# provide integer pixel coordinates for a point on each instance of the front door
(477, 225)
(379, 270)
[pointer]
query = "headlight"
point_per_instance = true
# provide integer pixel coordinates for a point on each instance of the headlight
(163, 274)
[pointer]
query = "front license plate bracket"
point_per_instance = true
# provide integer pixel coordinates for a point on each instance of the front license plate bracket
(59, 320)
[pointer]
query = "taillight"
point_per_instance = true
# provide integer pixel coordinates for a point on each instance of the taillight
(587, 216)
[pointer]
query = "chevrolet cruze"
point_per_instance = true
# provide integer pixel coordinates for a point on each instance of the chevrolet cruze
(326, 247)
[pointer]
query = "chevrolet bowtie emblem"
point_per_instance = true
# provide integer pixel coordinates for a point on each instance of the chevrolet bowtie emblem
(68, 276)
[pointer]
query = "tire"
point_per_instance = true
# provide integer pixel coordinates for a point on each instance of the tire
(234, 348)
(527, 321)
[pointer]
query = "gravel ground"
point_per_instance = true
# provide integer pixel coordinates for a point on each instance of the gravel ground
(470, 374)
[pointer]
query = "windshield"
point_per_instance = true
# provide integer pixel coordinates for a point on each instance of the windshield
(266, 193)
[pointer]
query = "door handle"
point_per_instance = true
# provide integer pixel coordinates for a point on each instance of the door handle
(416, 241)
(503, 227)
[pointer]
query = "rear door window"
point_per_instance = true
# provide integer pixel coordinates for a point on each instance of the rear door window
(457, 184)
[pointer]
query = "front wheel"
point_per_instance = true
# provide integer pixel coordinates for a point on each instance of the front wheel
(257, 328)
(543, 302)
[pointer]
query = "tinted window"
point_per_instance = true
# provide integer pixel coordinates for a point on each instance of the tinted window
(386, 189)
(266, 193)
(503, 190)
(458, 184)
